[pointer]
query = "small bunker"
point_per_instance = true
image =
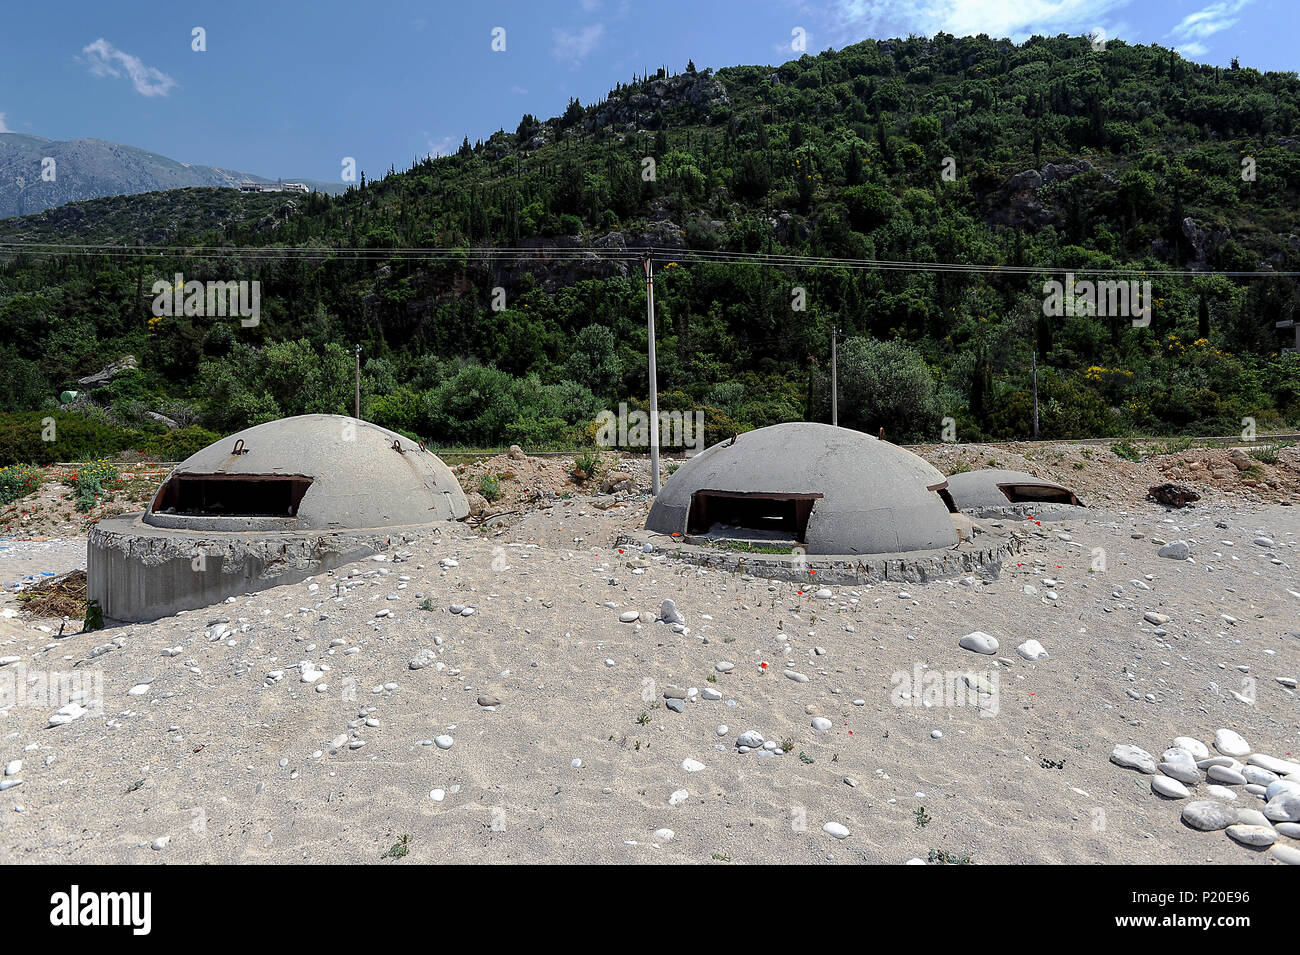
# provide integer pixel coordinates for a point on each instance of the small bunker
(273, 504)
(997, 491)
(826, 489)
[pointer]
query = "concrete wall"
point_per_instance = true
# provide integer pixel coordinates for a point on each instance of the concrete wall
(139, 573)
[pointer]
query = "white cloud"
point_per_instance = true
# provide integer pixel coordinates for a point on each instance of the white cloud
(1213, 19)
(3, 127)
(1189, 35)
(105, 60)
(1017, 19)
(441, 147)
(574, 46)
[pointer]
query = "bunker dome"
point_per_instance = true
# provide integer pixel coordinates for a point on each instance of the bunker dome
(270, 505)
(831, 490)
(995, 489)
(312, 472)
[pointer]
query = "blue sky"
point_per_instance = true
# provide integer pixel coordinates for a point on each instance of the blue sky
(289, 88)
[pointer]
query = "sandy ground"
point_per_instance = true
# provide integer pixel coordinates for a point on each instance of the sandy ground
(213, 761)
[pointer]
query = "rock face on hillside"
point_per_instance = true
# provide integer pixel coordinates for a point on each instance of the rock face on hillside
(1204, 242)
(1018, 203)
(107, 373)
(699, 90)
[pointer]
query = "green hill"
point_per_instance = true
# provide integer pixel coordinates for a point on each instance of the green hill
(1047, 155)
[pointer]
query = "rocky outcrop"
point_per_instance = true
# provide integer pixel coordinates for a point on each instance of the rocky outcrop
(1172, 495)
(1204, 243)
(701, 91)
(107, 373)
(1018, 203)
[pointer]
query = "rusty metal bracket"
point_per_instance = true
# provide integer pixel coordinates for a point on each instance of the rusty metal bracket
(397, 446)
(239, 447)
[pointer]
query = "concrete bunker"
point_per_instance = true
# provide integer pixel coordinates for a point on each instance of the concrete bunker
(992, 490)
(273, 504)
(825, 489)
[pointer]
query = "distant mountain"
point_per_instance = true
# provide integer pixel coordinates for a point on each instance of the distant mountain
(92, 168)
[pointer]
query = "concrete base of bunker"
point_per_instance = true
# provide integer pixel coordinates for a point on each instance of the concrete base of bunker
(138, 572)
(967, 559)
(1029, 512)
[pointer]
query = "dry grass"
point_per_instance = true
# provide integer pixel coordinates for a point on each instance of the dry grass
(63, 596)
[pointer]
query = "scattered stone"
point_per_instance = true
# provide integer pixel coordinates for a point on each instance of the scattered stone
(1284, 807)
(669, 612)
(1225, 774)
(1230, 743)
(1194, 746)
(1032, 650)
(66, 714)
(1175, 550)
(1171, 495)
(1252, 835)
(1133, 757)
(979, 642)
(1208, 816)
(1274, 765)
(422, 659)
(1184, 772)
(1170, 788)
(1284, 853)
(835, 830)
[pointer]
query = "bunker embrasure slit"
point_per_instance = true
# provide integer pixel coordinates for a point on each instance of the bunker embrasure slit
(1037, 494)
(232, 495)
(782, 515)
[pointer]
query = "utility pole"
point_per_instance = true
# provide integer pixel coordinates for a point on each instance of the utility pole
(835, 379)
(648, 263)
(1035, 394)
(357, 403)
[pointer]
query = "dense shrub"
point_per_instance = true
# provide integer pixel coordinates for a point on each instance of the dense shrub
(886, 384)
(178, 444)
(36, 438)
(73, 437)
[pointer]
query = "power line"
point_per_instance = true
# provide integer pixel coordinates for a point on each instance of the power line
(630, 255)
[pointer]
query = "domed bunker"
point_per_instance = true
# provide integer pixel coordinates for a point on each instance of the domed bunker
(270, 505)
(991, 492)
(825, 489)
